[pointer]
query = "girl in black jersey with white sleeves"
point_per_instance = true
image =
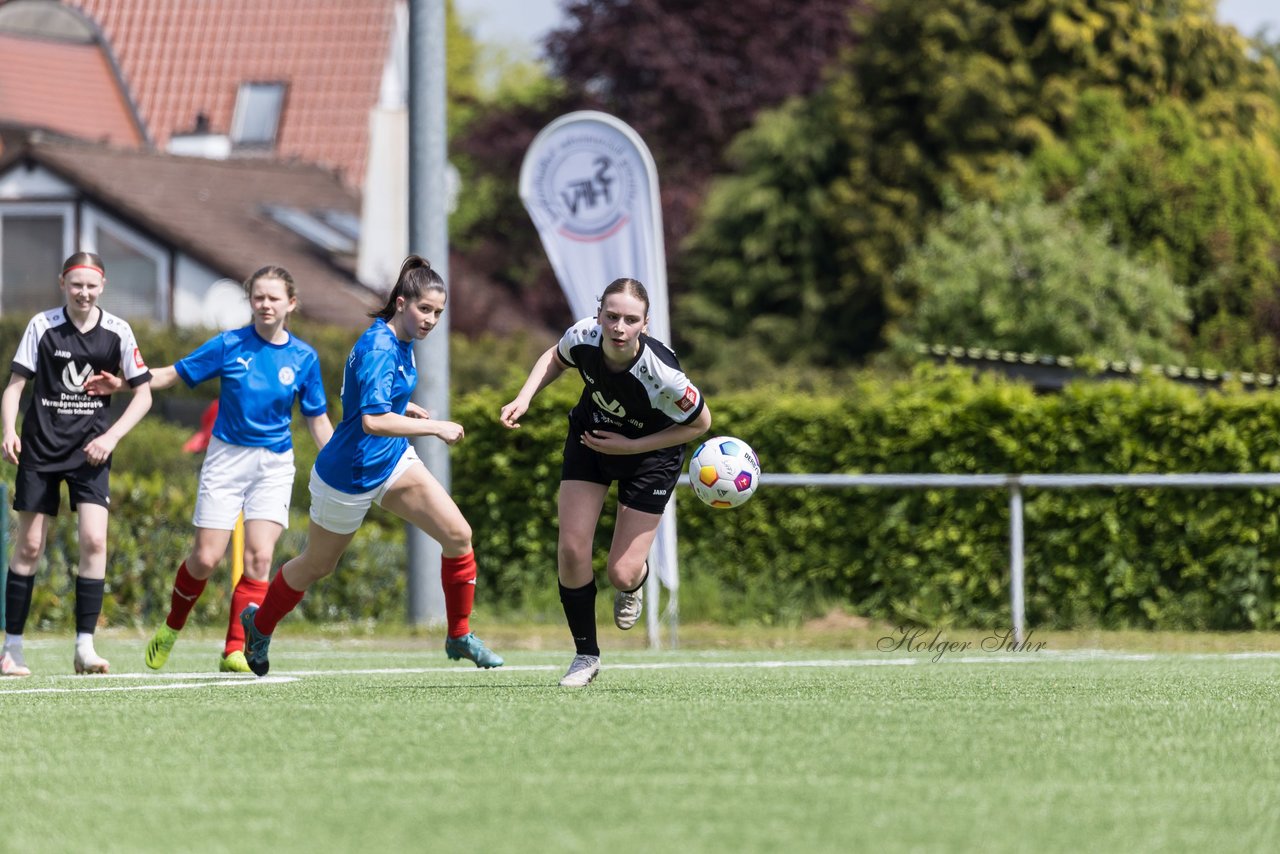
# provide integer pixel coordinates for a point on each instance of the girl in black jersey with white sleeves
(67, 436)
(636, 413)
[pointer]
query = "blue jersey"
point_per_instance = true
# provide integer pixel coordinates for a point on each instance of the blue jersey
(260, 381)
(379, 377)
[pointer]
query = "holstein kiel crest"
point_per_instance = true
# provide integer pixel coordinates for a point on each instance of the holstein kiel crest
(587, 186)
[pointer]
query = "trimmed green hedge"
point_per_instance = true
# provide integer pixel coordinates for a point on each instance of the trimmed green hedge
(1157, 558)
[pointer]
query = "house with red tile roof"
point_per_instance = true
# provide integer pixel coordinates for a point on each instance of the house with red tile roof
(177, 234)
(59, 73)
(285, 78)
(281, 92)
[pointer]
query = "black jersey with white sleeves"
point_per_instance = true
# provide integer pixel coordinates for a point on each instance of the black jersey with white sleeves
(61, 419)
(649, 395)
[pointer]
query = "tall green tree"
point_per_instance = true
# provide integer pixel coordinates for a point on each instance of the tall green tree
(1201, 200)
(688, 75)
(1028, 276)
(941, 94)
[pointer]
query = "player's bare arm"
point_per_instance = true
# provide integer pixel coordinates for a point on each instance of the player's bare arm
(104, 383)
(677, 434)
(545, 371)
(391, 424)
(321, 429)
(100, 448)
(9, 416)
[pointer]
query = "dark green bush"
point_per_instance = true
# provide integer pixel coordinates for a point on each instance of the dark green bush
(1158, 558)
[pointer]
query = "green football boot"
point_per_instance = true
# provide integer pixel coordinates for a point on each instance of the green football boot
(256, 644)
(472, 648)
(160, 645)
(234, 662)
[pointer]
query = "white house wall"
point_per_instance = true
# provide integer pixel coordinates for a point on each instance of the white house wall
(33, 184)
(205, 299)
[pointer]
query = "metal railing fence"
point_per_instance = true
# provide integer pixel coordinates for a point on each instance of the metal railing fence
(1015, 483)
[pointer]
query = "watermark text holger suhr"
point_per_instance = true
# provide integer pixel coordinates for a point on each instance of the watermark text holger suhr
(906, 639)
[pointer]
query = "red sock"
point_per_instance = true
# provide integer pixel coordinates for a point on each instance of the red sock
(280, 600)
(250, 591)
(186, 590)
(458, 575)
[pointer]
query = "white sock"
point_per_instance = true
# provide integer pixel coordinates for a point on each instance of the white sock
(84, 642)
(13, 643)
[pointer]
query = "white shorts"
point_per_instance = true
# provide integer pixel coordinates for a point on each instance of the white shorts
(233, 478)
(341, 512)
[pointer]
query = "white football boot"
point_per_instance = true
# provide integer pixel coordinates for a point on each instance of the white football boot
(583, 669)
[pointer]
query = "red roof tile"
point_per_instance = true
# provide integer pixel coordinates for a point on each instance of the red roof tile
(183, 57)
(64, 87)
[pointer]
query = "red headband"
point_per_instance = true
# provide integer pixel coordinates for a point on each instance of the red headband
(97, 270)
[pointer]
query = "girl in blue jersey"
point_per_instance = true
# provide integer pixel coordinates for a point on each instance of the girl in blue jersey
(636, 412)
(369, 460)
(248, 466)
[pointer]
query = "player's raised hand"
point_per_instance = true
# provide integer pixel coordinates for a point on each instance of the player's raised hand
(103, 384)
(12, 447)
(449, 432)
(511, 413)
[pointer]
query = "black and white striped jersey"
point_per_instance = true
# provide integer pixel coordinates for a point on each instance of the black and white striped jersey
(61, 419)
(651, 394)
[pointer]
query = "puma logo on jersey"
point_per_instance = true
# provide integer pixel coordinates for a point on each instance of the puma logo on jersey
(612, 407)
(73, 378)
(403, 372)
(244, 361)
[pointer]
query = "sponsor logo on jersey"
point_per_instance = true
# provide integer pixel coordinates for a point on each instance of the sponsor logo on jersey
(74, 378)
(62, 354)
(690, 399)
(613, 407)
(286, 375)
(243, 361)
(137, 359)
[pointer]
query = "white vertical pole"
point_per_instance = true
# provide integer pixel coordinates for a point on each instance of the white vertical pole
(1016, 570)
(653, 602)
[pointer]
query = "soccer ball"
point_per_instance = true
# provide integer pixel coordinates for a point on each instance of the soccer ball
(724, 472)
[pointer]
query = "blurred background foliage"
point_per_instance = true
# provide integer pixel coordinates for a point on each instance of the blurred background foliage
(808, 151)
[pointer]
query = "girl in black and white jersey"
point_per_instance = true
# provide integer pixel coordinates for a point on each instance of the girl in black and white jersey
(66, 436)
(636, 413)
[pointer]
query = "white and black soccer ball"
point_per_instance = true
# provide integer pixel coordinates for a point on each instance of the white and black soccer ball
(724, 472)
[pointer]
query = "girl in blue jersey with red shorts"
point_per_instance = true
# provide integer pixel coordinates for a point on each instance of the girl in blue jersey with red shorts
(369, 460)
(248, 466)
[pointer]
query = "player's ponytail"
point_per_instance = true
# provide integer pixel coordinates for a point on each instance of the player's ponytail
(416, 278)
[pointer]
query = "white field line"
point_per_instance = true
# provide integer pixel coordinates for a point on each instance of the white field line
(168, 686)
(176, 681)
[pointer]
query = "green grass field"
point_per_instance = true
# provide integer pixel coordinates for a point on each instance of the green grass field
(380, 744)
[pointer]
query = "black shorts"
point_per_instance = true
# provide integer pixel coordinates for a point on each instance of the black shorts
(39, 491)
(646, 482)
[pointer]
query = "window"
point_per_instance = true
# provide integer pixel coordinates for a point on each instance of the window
(34, 241)
(137, 269)
(257, 116)
(312, 229)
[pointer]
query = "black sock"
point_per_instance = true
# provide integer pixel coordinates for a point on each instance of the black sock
(88, 603)
(17, 602)
(580, 612)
